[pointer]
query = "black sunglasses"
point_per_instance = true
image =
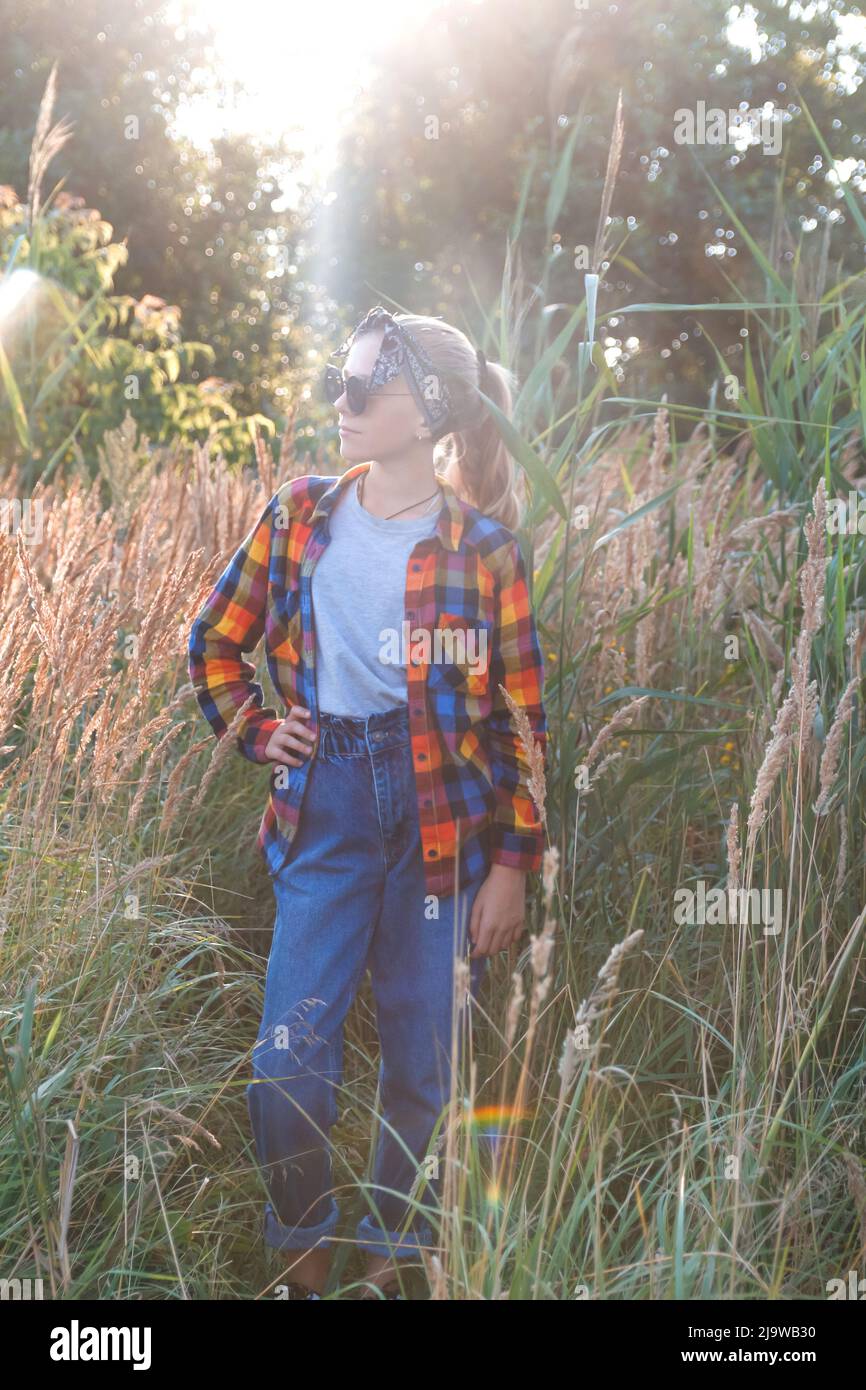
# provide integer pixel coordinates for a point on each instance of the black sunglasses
(355, 387)
(334, 383)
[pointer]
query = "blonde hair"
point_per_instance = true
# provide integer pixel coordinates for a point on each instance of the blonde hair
(472, 455)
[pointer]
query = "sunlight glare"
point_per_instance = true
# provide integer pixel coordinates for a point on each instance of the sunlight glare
(302, 65)
(14, 289)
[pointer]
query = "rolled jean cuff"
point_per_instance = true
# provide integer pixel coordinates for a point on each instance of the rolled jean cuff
(375, 1241)
(282, 1237)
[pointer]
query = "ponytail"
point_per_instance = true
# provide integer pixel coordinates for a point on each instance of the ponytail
(471, 452)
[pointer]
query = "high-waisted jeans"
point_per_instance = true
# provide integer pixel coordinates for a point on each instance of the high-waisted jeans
(352, 896)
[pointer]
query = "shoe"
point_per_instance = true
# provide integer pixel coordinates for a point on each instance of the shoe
(301, 1291)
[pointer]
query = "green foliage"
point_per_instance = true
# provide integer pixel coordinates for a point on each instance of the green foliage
(77, 357)
(490, 101)
(204, 227)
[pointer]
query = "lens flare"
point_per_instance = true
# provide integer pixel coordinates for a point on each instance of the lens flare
(13, 291)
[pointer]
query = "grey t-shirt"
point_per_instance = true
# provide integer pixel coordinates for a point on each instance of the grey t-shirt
(359, 599)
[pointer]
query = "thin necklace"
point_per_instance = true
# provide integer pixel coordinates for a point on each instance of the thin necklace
(359, 491)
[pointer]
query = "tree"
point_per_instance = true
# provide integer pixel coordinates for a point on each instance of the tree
(200, 227)
(429, 177)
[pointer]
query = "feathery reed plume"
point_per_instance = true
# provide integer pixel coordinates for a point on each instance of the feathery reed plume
(614, 154)
(592, 1009)
(549, 874)
(807, 738)
(98, 718)
(711, 569)
(812, 577)
(461, 981)
(47, 142)
(770, 523)
(515, 1006)
(44, 624)
(541, 947)
(183, 692)
(18, 647)
(186, 1121)
(605, 763)
(149, 771)
(221, 754)
(223, 750)
(622, 716)
(176, 790)
(801, 702)
(763, 639)
(775, 753)
(533, 750)
(733, 845)
(661, 444)
(833, 745)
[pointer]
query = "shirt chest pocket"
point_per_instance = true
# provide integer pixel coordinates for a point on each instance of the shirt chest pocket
(285, 636)
(461, 650)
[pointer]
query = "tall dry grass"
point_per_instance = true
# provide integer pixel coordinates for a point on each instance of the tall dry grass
(648, 1109)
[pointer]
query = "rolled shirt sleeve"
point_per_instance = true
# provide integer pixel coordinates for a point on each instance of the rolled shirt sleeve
(517, 664)
(232, 622)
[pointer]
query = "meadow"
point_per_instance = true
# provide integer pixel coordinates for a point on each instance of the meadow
(654, 1107)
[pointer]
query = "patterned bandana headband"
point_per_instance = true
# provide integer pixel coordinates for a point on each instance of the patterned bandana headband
(400, 349)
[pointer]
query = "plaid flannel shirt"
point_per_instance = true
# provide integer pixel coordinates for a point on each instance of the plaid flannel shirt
(471, 771)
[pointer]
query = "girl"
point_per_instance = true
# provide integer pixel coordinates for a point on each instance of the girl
(395, 607)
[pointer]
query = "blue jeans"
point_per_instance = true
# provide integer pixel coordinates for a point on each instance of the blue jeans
(352, 895)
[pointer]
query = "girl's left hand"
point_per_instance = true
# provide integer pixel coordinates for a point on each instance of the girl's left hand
(499, 910)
